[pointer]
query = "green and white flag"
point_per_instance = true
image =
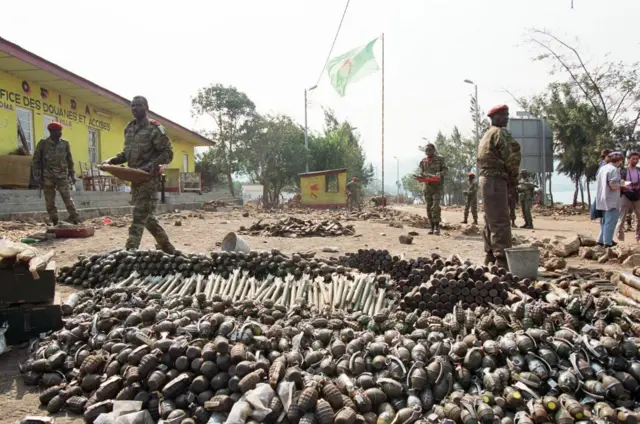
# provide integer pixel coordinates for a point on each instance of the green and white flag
(352, 66)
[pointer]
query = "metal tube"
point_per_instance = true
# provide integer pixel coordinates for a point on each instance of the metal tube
(306, 137)
(382, 40)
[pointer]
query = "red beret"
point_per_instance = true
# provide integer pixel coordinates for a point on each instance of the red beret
(497, 109)
(54, 126)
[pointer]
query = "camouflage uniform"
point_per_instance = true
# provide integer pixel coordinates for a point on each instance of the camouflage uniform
(145, 146)
(493, 157)
(434, 166)
(53, 167)
(353, 199)
(514, 169)
(472, 202)
(526, 189)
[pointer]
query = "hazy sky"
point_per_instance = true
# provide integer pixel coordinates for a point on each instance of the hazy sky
(273, 49)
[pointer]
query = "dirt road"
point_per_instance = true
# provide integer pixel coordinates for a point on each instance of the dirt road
(199, 232)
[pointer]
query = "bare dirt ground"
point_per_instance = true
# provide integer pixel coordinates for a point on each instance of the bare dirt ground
(200, 231)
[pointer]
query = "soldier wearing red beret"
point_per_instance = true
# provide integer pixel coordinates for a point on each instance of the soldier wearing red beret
(52, 166)
(495, 161)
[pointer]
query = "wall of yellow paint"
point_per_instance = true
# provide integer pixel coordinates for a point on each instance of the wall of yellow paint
(312, 190)
(76, 118)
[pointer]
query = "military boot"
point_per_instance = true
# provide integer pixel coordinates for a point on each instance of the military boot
(167, 248)
(475, 222)
(501, 262)
(524, 226)
(513, 224)
(432, 230)
(464, 221)
(437, 229)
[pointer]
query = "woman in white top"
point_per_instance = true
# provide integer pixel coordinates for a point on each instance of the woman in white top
(608, 198)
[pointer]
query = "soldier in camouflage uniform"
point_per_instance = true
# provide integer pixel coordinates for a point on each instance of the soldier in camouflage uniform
(514, 166)
(52, 167)
(526, 190)
(146, 147)
(494, 156)
(433, 166)
(472, 199)
(353, 194)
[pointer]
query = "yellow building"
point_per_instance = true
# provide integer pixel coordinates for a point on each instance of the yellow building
(324, 189)
(34, 92)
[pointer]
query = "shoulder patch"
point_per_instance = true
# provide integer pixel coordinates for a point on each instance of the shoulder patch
(157, 124)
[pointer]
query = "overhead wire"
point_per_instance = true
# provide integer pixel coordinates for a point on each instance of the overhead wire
(334, 42)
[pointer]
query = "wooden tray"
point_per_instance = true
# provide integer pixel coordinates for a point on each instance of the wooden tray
(78, 232)
(127, 174)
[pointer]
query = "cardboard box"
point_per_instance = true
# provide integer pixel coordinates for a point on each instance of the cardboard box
(15, 171)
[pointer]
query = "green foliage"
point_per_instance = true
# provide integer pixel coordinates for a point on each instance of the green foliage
(339, 147)
(273, 154)
(229, 109)
(596, 107)
(460, 156)
(269, 149)
(210, 169)
(411, 185)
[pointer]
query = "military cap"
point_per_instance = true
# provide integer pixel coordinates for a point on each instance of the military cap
(54, 126)
(615, 153)
(497, 109)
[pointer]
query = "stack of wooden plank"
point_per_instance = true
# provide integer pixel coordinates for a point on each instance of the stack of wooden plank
(296, 227)
(27, 291)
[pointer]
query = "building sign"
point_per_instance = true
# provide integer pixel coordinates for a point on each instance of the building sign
(44, 102)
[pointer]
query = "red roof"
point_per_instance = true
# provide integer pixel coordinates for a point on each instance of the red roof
(43, 64)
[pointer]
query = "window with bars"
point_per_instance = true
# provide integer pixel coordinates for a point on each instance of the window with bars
(25, 127)
(94, 143)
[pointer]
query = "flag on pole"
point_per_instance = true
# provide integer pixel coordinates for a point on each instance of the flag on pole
(352, 66)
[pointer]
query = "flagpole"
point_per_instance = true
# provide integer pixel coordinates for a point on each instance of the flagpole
(382, 39)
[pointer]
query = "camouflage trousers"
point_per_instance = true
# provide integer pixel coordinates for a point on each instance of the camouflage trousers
(472, 203)
(49, 186)
(525, 205)
(144, 198)
(513, 200)
(497, 229)
(432, 195)
(353, 202)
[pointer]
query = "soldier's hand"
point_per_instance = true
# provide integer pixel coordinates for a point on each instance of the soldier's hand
(72, 178)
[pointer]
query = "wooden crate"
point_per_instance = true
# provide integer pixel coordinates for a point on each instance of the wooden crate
(18, 286)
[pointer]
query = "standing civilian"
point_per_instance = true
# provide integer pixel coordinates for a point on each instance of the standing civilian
(608, 198)
(630, 200)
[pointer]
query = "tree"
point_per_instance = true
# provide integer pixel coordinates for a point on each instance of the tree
(339, 147)
(460, 156)
(273, 154)
(229, 109)
(611, 88)
(411, 185)
(209, 169)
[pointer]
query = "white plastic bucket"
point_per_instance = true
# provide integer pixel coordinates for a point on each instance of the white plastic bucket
(233, 243)
(523, 261)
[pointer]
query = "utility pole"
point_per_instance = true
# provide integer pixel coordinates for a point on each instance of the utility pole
(306, 137)
(477, 119)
